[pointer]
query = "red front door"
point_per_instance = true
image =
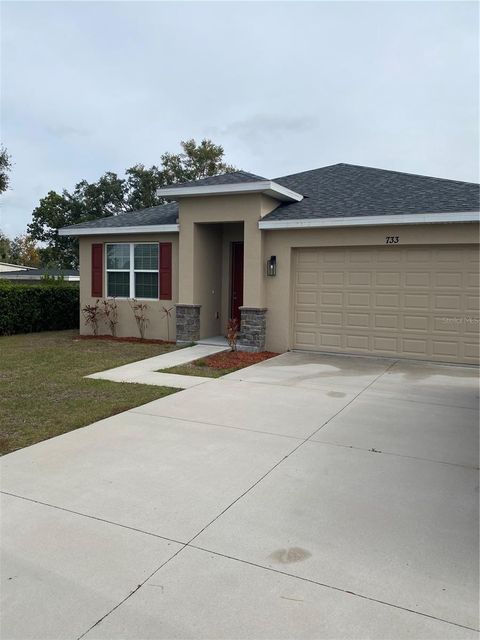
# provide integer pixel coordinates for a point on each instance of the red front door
(236, 285)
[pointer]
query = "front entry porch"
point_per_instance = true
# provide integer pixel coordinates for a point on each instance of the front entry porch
(218, 286)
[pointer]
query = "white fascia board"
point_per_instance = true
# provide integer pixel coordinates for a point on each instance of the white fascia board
(26, 276)
(102, 231)
(12, 267)
(268, 187)
(361, 221)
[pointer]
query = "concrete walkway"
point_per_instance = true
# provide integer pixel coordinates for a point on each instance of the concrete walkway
(147, 371)
(306, 497)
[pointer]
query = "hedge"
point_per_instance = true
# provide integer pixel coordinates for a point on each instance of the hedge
(42, 307)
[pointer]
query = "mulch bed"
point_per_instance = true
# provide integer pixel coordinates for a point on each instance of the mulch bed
(236, 359)
(117, 339)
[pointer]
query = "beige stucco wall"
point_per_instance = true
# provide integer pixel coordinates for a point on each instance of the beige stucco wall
(278, 290)
(193, 212)
(201, 261)
(208, 277)
(157, 327)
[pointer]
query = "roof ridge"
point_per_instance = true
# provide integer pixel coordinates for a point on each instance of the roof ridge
(406, 173)
(362, 166)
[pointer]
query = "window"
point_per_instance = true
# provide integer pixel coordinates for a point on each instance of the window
(132, 270)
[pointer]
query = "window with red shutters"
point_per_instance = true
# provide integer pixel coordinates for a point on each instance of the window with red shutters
(97, 270)
(165, 261)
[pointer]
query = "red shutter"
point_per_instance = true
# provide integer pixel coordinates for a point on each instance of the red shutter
(165, 275)
(97, 270)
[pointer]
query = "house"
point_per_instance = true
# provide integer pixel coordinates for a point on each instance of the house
(343, 259)
(6, 266)
(32, 275)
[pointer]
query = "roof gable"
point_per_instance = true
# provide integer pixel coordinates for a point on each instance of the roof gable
(345, 190)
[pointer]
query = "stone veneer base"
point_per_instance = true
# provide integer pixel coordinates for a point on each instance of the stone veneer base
(253, 328)
(188, 322)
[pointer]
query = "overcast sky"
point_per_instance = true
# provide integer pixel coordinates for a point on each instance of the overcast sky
(89, 87)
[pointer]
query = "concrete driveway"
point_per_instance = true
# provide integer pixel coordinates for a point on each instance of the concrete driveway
(306, 497)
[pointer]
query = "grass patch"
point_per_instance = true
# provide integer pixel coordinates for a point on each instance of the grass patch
(219, 364)
(197, 368)
(43, 392)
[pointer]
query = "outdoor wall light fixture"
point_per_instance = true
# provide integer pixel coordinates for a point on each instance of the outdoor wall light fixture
(272, 266)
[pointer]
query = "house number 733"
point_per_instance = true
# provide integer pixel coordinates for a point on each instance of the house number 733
(392, 239)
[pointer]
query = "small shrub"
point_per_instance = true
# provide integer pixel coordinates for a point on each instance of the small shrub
(167, 313)
(25, 308)
(232, 333)
(109, 310)
(92, 314)
(54, 280)
(140, 313)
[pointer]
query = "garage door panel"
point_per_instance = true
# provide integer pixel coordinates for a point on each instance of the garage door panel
(306, 297)
(331, 340)
(447, 302)
(382, 321)
(471, 351)
(386, 279)
(391, 300)
(307, 277)
(472, 304)
(385, 344)
(359, 278)
(449, 279)
(445, 348)
(473, 280)
(306, 317)
(358, 342)
(357, 320)
(333, 277)
(417, 279)
(333, 318)
(358, 299)
(414, 347)
(331, 298)
(416, 323)
(305, 339)
(414, 302)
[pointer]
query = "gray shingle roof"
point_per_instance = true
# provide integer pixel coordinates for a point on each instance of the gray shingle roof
(346, 190)
(235, 177)
(161, 214)
(339, 190)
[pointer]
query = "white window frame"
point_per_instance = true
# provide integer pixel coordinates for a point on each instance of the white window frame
(132, 271)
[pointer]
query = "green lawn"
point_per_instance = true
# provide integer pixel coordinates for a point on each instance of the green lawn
(195, 369)
(43, 392)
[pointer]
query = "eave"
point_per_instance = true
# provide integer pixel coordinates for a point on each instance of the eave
(102, 231)
(362, 221)
(267, 187)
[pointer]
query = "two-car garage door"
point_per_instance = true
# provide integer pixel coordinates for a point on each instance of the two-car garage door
(414, 302)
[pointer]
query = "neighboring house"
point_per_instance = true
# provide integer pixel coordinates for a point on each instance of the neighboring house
(343, 259)
(6, 266)
(31, 275)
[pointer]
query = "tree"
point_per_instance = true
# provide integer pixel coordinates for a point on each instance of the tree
(5, 168)
(23, 250)
(5, 243)
(112, 195)
(196, 162)
(20, 250)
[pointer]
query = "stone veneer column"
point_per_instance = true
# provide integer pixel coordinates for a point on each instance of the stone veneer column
(188, 322)
(253, 327)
